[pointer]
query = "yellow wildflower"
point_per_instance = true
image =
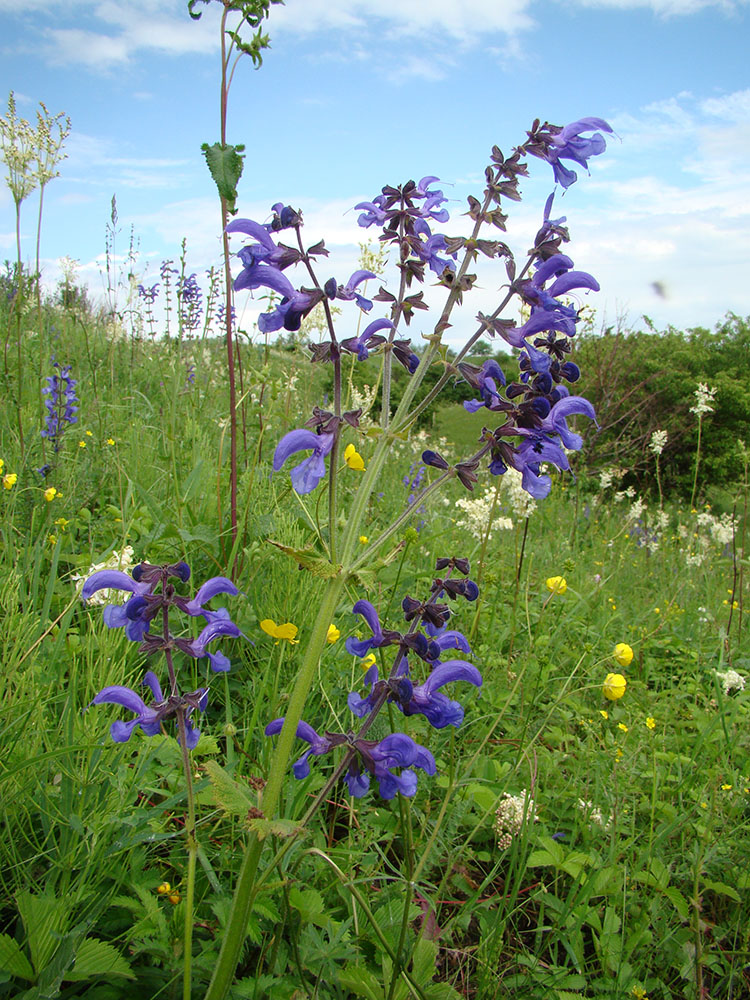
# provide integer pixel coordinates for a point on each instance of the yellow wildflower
(2, 465)
(651, 722)
(556, 584)
(726, 788)
(81, 444)
(9, 480)
(164, 888)
(368, 661)
(333, 634)
(614, 686)
(110, 441)
(604, 713)
(618, 753)
(704, 805)
(89, 433)
(622, 727)
(363, 539)
(52, 539)
(623, 654)
(353, 458)
(50, 493)
(174, 897)
(279, 632)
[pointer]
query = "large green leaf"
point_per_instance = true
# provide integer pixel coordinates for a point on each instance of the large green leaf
(97, 958)
(225, 166)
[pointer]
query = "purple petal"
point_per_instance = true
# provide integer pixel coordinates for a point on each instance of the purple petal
(108, 579)
(452, 670)
(294, 441)
(116, 694)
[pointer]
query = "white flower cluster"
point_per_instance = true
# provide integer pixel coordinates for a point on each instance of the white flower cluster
(731, 681)
(721, 529)
(510, 816)
(609, 476)
(658, 442)
(594, 813)
(704, 398)
(707, 529)
(477, 512)
(115, 560)
(515, 496)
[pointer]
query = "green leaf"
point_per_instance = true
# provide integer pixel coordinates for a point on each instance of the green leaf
(311, 906)
(13, 960)
(96, 958)
(424, 958)
(361, 982)
(44, 919)
(230, 796)
(678, 901)
(311, 560)
(225, 166)
(722, 889)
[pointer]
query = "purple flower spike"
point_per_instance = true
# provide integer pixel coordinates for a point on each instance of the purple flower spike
(307, 475)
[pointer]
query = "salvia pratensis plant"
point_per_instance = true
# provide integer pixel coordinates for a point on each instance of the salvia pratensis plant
(525, 428)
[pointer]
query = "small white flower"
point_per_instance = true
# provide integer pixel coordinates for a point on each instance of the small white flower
(658, 442)
(731, 681)
(704, 398)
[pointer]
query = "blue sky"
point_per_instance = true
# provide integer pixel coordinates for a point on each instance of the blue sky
(358, 93)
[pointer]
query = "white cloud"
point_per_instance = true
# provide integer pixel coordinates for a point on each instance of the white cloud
(666, 8)
(467, 22)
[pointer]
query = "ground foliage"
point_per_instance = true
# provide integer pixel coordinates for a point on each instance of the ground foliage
(626, 876)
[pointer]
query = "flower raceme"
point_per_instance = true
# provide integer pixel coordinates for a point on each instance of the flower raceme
(153, 594)
(145, 603)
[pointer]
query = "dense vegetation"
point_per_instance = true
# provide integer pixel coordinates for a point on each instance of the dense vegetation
(569, 845)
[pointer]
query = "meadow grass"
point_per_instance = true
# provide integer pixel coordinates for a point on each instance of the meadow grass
(623, 868)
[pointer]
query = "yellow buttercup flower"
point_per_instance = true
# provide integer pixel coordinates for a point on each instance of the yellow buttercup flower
(9, 480)
(81, 444)
(110, 441)
(651, 722)
(89, 433)
(363, 539)
(556, 584)
(50, 493)
(622, 727)
(2, 465)
(623, 654)
(333, 634)
(604, 713)
(368, 661)
(614, 686)
(164, 888)
(353, 458)
(726, 788)
(279, 632)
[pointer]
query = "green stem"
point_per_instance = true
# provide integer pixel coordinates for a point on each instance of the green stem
(697, 460)
(234, 934)
(192, 847)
